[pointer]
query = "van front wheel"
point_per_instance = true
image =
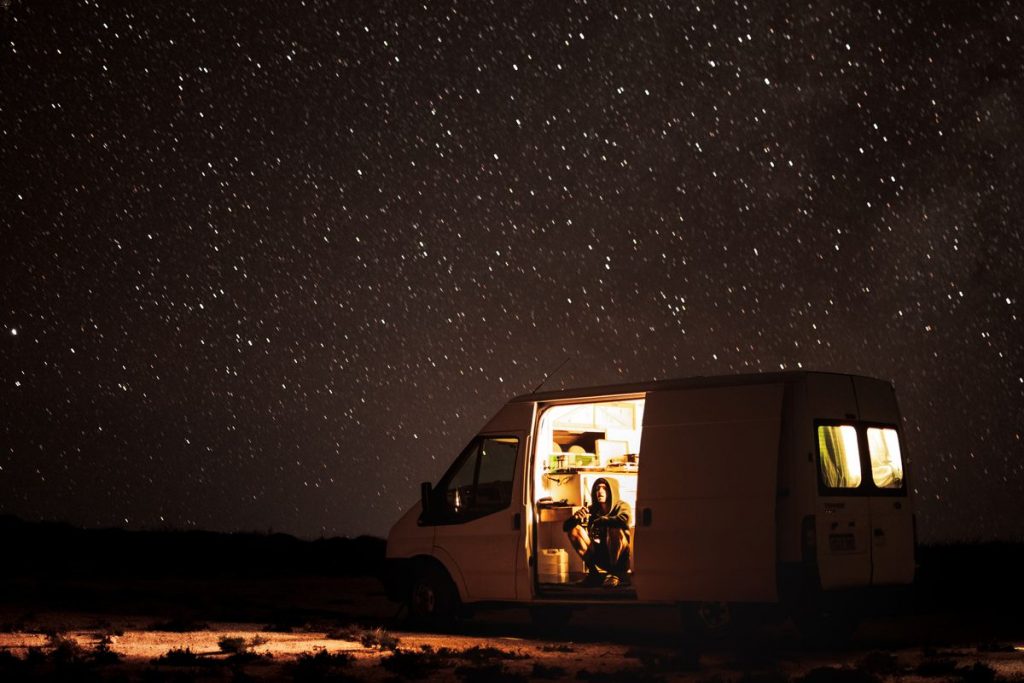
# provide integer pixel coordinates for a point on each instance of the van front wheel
(433, 600)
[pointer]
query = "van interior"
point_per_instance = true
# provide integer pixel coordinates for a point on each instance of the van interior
(578, 443)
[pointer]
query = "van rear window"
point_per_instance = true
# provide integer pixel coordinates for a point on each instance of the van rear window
(839, 456)
(886, 461)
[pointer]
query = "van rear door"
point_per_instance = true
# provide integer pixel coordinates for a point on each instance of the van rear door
(706, 494)
(864, 527)
(892, 520)
(843, 518)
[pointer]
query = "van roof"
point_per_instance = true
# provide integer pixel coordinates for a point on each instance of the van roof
(678, 383)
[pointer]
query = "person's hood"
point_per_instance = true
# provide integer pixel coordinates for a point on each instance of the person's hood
(608, 486)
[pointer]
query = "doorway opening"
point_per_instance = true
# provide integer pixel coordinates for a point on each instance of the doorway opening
(581, 447)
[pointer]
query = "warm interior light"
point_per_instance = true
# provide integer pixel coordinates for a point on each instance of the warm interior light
(886, 461)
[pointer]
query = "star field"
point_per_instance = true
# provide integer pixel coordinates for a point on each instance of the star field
(270, 267)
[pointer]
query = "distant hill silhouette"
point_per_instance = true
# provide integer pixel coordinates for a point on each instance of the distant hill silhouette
(964, 577)
(58, 550)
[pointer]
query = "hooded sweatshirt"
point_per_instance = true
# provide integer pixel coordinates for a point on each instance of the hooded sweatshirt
(616, 514)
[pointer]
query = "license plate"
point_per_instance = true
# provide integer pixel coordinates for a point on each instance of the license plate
(842, 543)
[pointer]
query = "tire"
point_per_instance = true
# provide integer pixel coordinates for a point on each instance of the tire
(433, 600)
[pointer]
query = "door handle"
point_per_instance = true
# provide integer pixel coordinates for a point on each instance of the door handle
(645, 517)
(517, 521)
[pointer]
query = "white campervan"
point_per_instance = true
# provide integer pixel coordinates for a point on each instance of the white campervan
(782, 488)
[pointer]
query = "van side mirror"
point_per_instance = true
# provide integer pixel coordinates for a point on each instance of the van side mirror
(426, 494)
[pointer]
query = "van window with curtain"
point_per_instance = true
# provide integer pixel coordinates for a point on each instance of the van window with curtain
(839, 456)
(886, 461)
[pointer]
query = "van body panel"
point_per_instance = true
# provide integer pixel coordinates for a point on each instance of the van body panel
(514, 417)
(831, 396)
(408, 538)
(453, 569)
(843, 542)
(484, 552)
(876, 401)
(892, 541)
(795, 485)
(711, 533)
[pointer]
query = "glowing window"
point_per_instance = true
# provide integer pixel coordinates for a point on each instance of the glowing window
(839, 456)
(886, 462)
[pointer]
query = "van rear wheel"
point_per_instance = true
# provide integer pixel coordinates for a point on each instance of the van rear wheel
(433, 600)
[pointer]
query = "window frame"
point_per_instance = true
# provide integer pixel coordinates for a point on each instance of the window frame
(867, 486)
(439, 515)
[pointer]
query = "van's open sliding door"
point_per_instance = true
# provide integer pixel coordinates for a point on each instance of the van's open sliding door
(706, 494)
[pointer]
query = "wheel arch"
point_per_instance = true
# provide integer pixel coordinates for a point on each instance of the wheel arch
(443, 562)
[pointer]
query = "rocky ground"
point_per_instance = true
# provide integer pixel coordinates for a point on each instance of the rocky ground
(344, 629)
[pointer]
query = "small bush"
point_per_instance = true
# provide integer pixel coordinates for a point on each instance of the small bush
(102, 655)
(233, 644)
(65, 650)
(179, 657)
(322, 666)
(379, 638)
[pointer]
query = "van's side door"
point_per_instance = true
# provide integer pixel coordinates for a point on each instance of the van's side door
(892, 519)
(706, 494)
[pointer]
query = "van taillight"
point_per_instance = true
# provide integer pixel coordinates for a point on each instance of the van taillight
(808, 539)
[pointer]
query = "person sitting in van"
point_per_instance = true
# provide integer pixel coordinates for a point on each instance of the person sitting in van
(600, 534)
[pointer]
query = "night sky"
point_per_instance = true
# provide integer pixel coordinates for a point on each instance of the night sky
(270, 267)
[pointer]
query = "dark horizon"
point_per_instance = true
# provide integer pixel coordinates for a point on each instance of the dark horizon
(273, 266)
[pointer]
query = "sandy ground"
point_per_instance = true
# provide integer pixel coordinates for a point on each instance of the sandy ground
(351, 618)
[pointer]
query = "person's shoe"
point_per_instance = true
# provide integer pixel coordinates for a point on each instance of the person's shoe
(593, 580)
(611, 581)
